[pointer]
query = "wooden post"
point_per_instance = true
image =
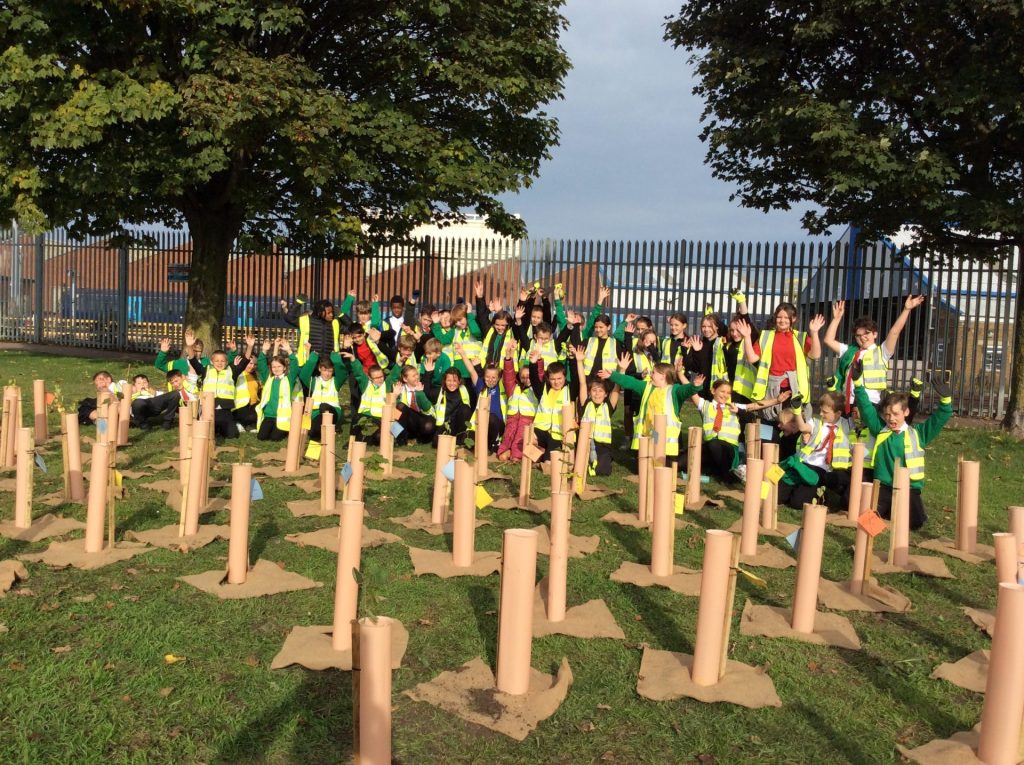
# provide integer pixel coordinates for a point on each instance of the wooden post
(729, 601)
(525, 469)
(39, 411)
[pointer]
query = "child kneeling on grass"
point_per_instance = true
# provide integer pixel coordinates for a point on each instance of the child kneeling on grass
(822, 461)
(280, 383)
(895, 440)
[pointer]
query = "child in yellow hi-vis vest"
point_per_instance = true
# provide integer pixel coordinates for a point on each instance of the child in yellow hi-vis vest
(895, 439)
(598, 400)
(822, 459)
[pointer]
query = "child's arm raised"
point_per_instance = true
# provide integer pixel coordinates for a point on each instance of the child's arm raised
(831, 341)
(912, 302)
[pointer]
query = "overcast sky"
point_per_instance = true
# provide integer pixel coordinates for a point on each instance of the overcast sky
(630, 164)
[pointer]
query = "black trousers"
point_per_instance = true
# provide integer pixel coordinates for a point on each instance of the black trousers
(164, 406)
(456, 422)
(548, 443)
(316, 422)
(603, 464)
(245, 416)
(917, 514)
(367, 428)
(418, 426)
(716, 460)
(798, 495)
(270, 432)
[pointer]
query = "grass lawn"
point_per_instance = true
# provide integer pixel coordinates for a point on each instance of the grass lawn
(109, 697)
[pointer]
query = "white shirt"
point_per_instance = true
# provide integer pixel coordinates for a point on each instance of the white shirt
(819, 457)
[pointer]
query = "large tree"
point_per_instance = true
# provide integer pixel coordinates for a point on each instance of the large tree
(881, 113)
(321, 124)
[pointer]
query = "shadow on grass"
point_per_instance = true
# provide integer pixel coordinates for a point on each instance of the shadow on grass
(849, 746)
(317, 716)
(484, 603)
(263, 535)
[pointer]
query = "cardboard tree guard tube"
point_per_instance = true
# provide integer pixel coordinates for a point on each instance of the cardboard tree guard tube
(464, 529)
(712, 607)
(515, 610)
(482, 439)
(23, 479)
(196, 498)
(184, 441)
(75, 477)
(967, 506)
(856, 481)
(901, 517)
(860, 544)
(208, 408)
(557, 461)
(1007, 557)
(445, 452)
(346, 592)
(644, 468)
(329, 463)
(371, 675)
(752, 439)
(1016, 517)
(558, 557)
(582, 457)
(98, 471)
(124, 414)
(751, 506)
(525, 468)
(658, 445)
(663, 528)
(291, 460)
(1001, 714)
(356, 480)
(113, 417)
(695, 437)
(770, 456)
(238, 542)
(39, 411)
(808, 568)
(387, 440)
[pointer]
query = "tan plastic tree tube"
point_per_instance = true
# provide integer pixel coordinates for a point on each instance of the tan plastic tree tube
(901, 517)
(860, 543)
(999, 742)
(694, 438)
(568, 426)
(1007, 557)
(113, 417)
(751, 506)
(445, 453)
(1016, 517)
(329, 465)
(515, 610)
(663, 528)
(464, 529)
(23, 479)
(644, 475)
(752, 437)
(39, 411)
(558, 557)
(482, 438)
(196, 498)
(770, 456)
(124, 414)
(346, 592)
(371, 664)
(207, 407)
(387, 440)
(357, 479)
(856, 481)
(76, 480)
(98, 474)
(557, 466)
(525, 468)
(582, 456)
(712, 607)
(5, 427)
(967, 506)
(808, 568)
(238, 541)
(14, 420)
(291, 460)
(184, 441)
(658, 446)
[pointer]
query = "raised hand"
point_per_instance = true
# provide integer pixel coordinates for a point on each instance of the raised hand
(838, 309)
(857, 370)
(574, 317)
(478, 288)
(631, 317)
(429, 364)
(913, 301)
(495, 304)
(744, 329)
(250, 340)
(190, 338)
(816, 323)
(535, 355)
(265, 347)
(580, 351)
(520, 313)
(603, 374)
(283, 304)
(603, 294)
(352, 294)
(231, 345)
(698, 380)
(696, 343)
(559, 292)
(624, 361)
(165, 344)
(435, 316)
(376, 297)
(374, 334)
(524, 293)
(943, 388)
(286, 346)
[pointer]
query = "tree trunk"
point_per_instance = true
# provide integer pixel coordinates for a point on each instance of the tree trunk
(213, 233)
(1014, 419)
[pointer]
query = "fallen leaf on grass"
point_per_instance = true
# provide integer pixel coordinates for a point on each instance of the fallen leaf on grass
(252, 661)
(165, 692)
(132, 571)
(588, 727)
(61, 649)
(4, 629)
(174, 732)
(608, 757)
(25, 592)
(604, 707)
(175, 586)
(131, 598)
(126, 699)
(49, 607)
(638, 618)
(16, 666)
(85, 598)
(116, 586)
(109, 604)
(424, 622)
(705, 759)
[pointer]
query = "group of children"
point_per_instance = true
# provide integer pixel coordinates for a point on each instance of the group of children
(533, 360)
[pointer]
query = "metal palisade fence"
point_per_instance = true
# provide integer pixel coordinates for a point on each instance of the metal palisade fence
(56, 290)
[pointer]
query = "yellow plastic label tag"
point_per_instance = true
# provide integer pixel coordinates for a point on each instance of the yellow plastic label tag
(766, 489)
(483, 499)
(775, 474)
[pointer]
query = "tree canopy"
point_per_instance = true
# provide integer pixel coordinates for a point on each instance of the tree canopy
(320, 124)
(879, 113)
